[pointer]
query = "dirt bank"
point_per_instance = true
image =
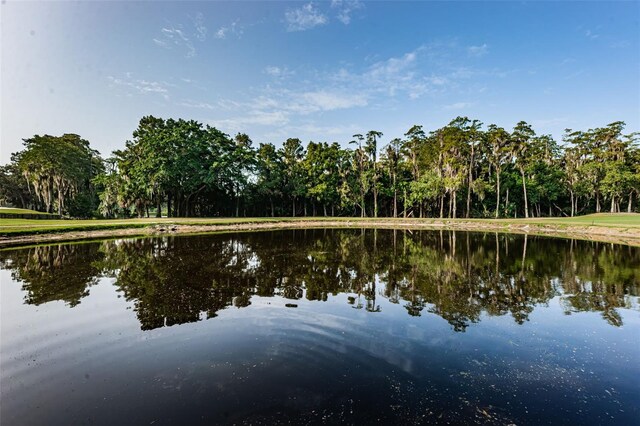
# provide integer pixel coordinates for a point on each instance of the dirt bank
(618, 235)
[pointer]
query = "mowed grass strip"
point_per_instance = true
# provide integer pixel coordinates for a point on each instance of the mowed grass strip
(16, 227)
(11, 213)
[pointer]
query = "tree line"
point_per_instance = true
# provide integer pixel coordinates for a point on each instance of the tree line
(182, 168)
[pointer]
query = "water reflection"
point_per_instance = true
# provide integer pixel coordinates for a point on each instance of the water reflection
(455, 275)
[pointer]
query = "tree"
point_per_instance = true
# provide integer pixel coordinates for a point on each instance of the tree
(498, 141)
(292, 154)
(60, 169)
(521, 139)
(371, 149)
(270, 174)
(361, 163)
(391, 160)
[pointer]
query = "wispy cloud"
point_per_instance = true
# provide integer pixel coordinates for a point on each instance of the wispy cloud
(195, 104)
(591, 35)
(200, 28)
(312, 130)
(304, 18)
(175, 37)
(458, 106)
(345, 8)
(234, 29)
(429, 70)
(619, 44)
(140, 86)
(261, 118)
(183, 37)
(478, 51)
(278, 72)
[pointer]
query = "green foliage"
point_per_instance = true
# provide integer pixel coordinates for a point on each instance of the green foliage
(184, 168)
(59, 172)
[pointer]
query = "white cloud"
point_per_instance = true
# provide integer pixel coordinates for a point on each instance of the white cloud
(429, 70)
(458, 105)
(278, 72)
(221, 33)
(478, 51)
(345, 8)
(195, 104)
(393, 76)
(304, 18)
(232, 29)
(591, 35)
(313, 131)
(201, 29)
(327, 101)
(141, 86)
(161, 43)
(175, 36)
(261, 118)
(183, 37)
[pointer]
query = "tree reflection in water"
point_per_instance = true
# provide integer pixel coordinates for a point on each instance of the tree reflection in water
(457, 275)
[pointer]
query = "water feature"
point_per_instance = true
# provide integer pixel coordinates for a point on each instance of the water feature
(321, 326)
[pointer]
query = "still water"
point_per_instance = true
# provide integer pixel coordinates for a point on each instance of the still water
(321, 326)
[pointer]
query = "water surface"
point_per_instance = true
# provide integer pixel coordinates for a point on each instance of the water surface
(321, 326)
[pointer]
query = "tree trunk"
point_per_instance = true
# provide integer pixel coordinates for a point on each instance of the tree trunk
(524, 189)
(404, 209)
(324, 207)
(630, 202)
(59, 202)
(506, 201)
(470, 182)
(613, 204)
(159, 207)
(375, 202)
(293, 210)
(597, 202)
(498, 194)
(455, 193)
(272, 209)
(441, 206)
(572, 203)
(395, 202)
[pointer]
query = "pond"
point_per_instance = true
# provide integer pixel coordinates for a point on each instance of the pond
(321, 326)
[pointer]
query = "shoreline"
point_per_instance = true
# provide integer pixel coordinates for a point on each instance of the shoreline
(608, 234)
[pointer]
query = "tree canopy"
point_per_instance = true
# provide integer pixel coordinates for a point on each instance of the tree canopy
(464, 169)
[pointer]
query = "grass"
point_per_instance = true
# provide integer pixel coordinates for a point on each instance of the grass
(16, 227)
(14, 211)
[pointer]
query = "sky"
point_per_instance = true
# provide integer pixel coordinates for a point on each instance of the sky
(320, 71)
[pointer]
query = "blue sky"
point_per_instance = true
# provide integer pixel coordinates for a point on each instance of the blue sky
(319, 71)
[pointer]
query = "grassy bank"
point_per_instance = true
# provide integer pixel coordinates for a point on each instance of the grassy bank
(618, 228)
(13, 213)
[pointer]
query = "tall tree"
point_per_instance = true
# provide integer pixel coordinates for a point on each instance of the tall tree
(521, 139)
(371, 149)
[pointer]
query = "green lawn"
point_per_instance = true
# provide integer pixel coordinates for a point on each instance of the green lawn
(41, 226)
(11, 210)
(599, 219)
